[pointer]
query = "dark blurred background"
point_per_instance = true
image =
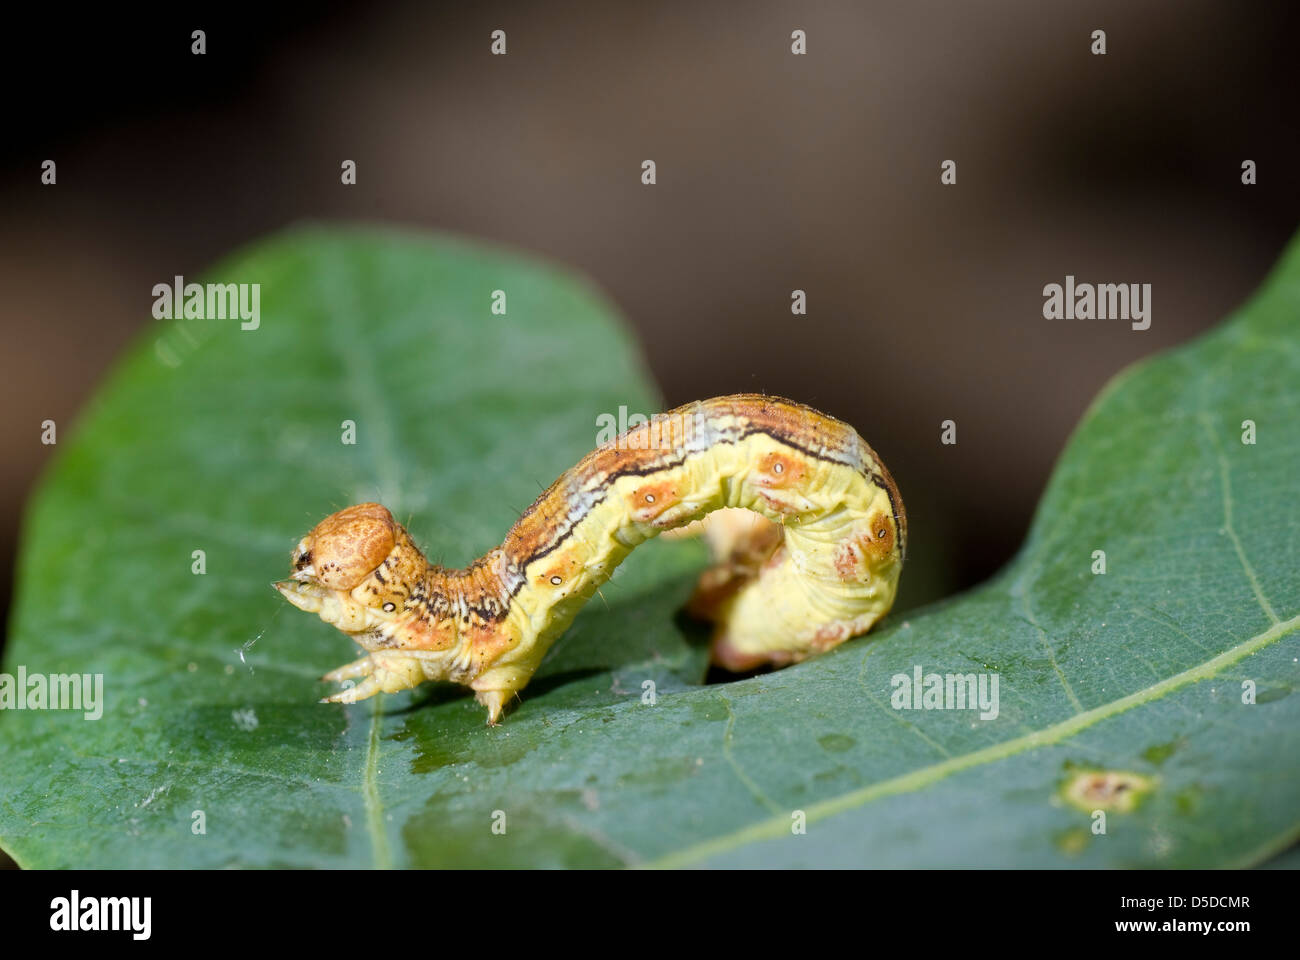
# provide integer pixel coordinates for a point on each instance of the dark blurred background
(775, 172)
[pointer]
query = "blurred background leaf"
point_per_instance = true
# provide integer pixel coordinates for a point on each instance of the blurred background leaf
(776, 172)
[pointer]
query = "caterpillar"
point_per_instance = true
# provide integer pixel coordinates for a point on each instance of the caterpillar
(818, 564)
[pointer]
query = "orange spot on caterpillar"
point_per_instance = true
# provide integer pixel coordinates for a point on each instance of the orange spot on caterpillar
(878, 539)
(780, 471)
(867, 549)
(650, 500)
(564, 569)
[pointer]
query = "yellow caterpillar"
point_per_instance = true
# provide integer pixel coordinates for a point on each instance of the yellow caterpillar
(822, 567)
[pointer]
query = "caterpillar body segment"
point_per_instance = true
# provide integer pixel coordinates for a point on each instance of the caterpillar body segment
(814, 561)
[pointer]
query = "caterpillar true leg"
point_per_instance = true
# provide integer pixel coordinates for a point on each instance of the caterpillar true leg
(383, 672)
(821, 564)
(357, 668)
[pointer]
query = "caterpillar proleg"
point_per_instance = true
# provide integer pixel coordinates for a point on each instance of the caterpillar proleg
(820, 565)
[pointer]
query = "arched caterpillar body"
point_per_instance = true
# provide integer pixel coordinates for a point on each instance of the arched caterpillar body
(823, 567)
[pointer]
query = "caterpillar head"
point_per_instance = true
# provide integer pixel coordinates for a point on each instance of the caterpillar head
(355, 569)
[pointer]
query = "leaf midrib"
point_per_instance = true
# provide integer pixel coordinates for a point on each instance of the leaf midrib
(374, 805)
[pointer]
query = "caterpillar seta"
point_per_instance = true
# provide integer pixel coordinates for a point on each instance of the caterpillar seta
(819, 564)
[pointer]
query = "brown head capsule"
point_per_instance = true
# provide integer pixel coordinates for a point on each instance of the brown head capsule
(346, 547)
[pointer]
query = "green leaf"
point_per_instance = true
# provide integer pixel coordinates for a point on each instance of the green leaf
(460, 413)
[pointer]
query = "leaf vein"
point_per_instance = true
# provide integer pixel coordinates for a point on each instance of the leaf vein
(926, 776)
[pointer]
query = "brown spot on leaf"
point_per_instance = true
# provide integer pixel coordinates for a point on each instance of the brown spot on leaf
(1115, 790)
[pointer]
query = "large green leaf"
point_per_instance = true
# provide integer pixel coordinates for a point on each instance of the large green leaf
(228, 441)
